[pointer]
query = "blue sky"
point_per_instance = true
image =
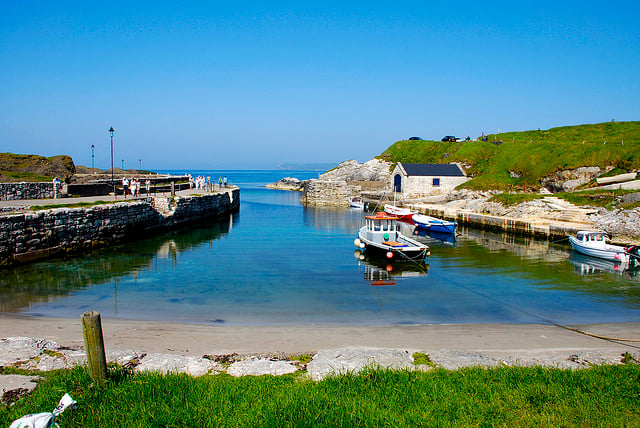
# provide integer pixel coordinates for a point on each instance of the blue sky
(255, 85)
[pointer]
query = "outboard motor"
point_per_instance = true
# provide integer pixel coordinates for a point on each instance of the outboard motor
(634, 252)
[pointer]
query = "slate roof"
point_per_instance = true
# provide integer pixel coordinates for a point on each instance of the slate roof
(433, 169)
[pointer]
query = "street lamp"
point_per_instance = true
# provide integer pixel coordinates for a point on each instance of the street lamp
(92, 159)
(113, 183)
(123, 164)
(140, 164)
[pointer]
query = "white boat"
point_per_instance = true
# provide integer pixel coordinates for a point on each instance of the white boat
(380, 237)
(356, 202)
(434, 224)
(401, 213)
(595, 244)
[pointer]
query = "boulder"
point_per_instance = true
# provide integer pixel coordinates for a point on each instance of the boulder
(567, 180)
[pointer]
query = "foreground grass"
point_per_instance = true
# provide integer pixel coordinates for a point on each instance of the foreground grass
(599, 396)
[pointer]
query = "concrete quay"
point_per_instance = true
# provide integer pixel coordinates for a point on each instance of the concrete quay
(564, 219)
(27, 235)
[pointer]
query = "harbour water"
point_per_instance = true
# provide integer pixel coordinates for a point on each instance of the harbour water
(278, 263)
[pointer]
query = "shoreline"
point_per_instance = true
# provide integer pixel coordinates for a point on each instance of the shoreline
(199, 339)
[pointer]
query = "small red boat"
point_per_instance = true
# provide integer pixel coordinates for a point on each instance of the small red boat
(404, 214)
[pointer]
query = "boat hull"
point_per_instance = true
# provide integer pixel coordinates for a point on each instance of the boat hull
(613, 253)
(401, 213)
(433, 224)
(411, 251)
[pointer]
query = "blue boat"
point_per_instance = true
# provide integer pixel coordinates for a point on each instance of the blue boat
(433, 224)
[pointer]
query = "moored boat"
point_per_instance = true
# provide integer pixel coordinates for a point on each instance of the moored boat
(594, 244)
(380, 236)
(434, 224)
(401, 213)
(356, 202)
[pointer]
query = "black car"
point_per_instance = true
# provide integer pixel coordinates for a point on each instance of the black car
(415, 138)
(449, 138)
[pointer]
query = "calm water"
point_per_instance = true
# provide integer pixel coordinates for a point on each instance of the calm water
(276, 262)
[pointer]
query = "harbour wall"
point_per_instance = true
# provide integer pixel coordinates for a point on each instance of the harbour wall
(547, 229)
(327, 193)
(18, 191)
(33, 235)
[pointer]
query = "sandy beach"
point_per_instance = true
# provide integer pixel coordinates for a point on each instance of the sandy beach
(197, 339)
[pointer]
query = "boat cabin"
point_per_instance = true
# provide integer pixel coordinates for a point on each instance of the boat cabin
(381, 227)
(591, 237)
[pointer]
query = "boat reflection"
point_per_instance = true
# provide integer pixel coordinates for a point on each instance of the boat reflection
(585, 265)
(434, 239)
(380, 273)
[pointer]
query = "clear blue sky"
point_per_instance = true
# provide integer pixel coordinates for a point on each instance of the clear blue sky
(215, 85)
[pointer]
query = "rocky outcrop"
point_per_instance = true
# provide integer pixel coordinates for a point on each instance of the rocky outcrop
(56, 166)
(287, 183)
(351, 170)
(349, 179)
(618, 223)
(569, 179)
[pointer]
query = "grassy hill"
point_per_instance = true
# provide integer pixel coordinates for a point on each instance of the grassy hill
(531, 155)
(15, 167)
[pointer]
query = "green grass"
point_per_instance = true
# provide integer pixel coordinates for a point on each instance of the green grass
(530, 154)
(598, 396)
(19, 176)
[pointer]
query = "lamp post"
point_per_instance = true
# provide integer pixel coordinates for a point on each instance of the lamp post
(92, 159)
(113, 183)
(140, 164)
(122, 163)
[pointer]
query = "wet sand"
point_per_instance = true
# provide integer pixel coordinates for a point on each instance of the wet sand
(198, 339)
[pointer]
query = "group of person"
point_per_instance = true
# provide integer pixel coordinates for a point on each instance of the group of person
(199, 182)
(133, 186)
(202, 182)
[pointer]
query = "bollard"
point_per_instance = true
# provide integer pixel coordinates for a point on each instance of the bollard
(94, 344)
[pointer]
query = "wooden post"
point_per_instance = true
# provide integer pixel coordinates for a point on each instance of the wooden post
(173, 188)
(94, 344)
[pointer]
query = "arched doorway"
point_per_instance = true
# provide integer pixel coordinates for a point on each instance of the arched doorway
(397, 183)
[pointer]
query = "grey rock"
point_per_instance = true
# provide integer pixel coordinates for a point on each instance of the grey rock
(353, 360)
(454, 359)
(254, 366)
(16, 349)
(14, 386)
(169, 363)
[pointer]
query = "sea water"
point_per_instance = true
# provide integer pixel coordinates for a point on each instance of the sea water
(276, 262)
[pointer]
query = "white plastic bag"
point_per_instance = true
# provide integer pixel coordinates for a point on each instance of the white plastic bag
(45, 419)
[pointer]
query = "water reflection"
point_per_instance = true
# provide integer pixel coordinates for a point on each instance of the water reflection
(334, 219)
(24, 286)
(586, 265)
(383, 276)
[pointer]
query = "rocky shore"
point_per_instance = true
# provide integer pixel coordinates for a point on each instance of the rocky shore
(371, 180)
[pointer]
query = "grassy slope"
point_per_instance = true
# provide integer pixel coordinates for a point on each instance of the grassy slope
(15, 167)
(532, 154)
(598, 396)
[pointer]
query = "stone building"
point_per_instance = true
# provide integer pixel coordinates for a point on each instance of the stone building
(426, 179)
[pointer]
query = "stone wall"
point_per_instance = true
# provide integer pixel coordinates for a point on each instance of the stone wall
(325, 193)
(29, 236)
(18, 191)
(423, 186)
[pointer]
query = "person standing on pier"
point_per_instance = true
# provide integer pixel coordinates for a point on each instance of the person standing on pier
(225, 181)
(147, 184)
(125, 186)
